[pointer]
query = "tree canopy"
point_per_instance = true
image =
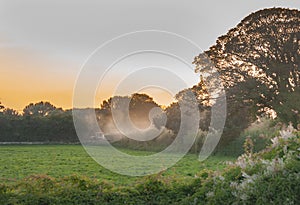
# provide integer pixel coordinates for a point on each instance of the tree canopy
(187, 96)
(139, 105)
(258, 61)
(40, 109)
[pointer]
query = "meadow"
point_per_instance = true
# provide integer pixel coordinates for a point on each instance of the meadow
(66, 174)
(20, 161)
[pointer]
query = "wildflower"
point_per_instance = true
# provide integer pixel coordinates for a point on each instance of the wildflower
(288, 133)
(275, 165)
(234, 185)
(229, 163)
(248, 145)
(285, 149)
(275, 141)
(221, 178)
(244, 196)
(210, 194)
(241, 162)
(248, 178)
(245, 160)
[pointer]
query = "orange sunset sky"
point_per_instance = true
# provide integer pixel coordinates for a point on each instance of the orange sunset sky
(27, 76)
(43, 44)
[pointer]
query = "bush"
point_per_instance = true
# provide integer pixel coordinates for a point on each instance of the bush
(260, 132)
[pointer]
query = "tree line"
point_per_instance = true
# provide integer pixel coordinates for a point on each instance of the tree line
(39, 122)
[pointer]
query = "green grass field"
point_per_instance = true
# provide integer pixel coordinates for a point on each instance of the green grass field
(66, 174)
(19, 161)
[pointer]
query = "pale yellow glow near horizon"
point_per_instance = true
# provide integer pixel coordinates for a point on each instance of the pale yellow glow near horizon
(26, 77)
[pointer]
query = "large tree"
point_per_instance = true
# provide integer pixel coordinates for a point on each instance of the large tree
(258, 62)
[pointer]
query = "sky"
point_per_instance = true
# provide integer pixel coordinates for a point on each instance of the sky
(46, 46)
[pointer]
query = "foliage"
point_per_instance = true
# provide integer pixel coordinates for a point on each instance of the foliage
(40, 122)
(271, 176)
(261, 54)
(41, 109)
(196, 94)
(260, 132)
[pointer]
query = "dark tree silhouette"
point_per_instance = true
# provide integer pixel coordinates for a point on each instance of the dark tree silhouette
(10, 112)
(40, 109)
(42, 123)
(196, 96)
(258, 62)
(139, 109)
(1, 107)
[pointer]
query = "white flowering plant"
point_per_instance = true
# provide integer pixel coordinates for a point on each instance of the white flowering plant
(271, 176)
